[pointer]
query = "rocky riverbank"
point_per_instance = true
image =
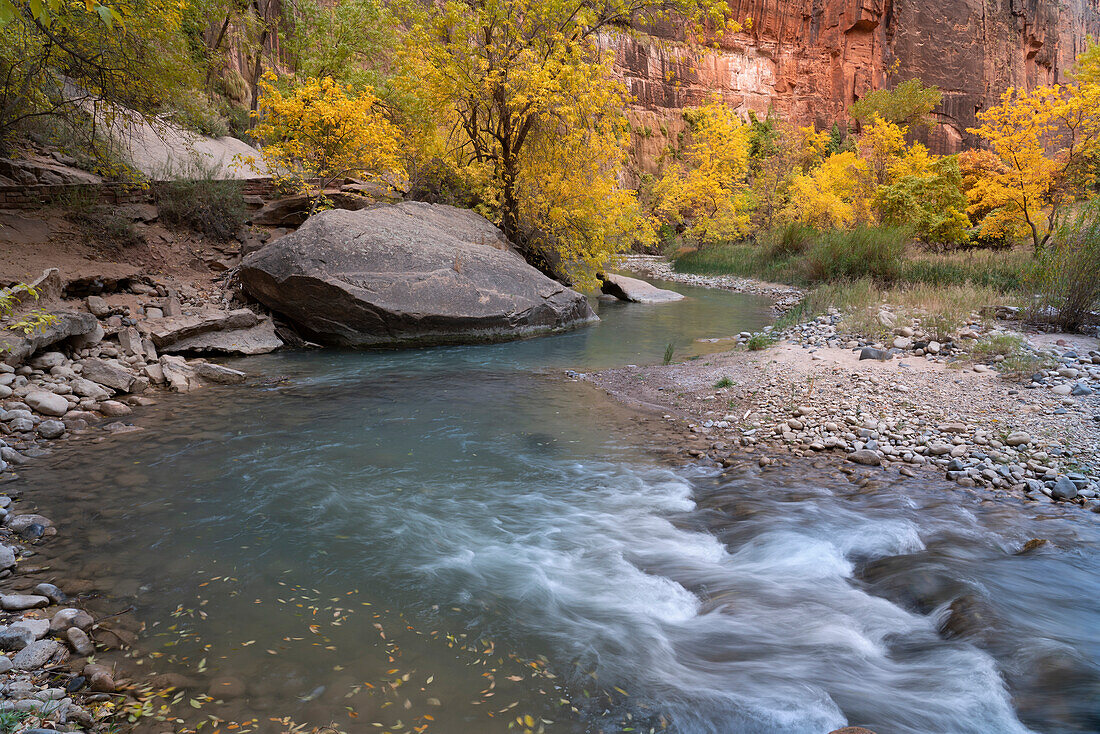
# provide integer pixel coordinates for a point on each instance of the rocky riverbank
(915, 402)
(82, 376)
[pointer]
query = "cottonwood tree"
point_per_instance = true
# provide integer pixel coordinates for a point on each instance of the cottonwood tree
(524, 96)
(1048, 141)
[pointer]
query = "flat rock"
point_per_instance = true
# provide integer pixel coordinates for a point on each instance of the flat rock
(409, 274)
(88, 389)
(19, 602)
(219, 373)
(258, 339)
(636, 291)
(35, 655)
(16, 347)
(240, 331)
(103, 372)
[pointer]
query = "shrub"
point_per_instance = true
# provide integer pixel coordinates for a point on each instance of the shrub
(874, 252)
(1066, 275)
(760, 340)
(209, 206)
(723, 383)
(785, 240)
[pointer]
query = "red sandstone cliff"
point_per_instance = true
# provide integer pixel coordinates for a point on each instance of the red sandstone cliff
(810, 59)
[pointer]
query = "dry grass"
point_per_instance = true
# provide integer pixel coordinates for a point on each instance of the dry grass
(939, 309)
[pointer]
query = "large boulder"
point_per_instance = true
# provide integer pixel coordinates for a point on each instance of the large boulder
(407, 274)
(636, 291)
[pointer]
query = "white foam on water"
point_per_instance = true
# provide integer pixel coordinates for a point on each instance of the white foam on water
(771, 636)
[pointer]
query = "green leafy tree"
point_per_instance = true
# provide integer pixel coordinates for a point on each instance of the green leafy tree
(909, 103)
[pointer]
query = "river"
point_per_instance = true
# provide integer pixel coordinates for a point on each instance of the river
(462, 540)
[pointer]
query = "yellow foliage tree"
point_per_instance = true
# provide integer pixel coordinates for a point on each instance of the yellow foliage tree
(321, 131)
(527, 104)
(1047, 140)
(836, 194)
(710, 195)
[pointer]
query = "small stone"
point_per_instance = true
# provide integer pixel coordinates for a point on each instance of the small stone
(953, 428)
(906, 471)
(1062, 389)
(1064, 489)
(114, 409)
(219, 374)
(51, 429)
(35, 655)
(5, 664)
(79, 641)
(51, 592)
(38, 628)
(865, 457)
(19, 602)
(19, 523)
(15, 639)
(47, 403)
(1018, 438)
(872, 353)
(1080, 389)
(97, 306)
(66, 618)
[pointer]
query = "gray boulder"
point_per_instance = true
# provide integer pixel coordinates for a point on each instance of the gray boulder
(103, 372)
(47, 403)
(636, 291)
(407, 274)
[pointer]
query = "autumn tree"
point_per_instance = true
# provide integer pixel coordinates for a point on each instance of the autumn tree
(834, 195)
(1047, 141)
(506, 78)
(779, 150)
(85, 65)
(708, 194)
(320, 131)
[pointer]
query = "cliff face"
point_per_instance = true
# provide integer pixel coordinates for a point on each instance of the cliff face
(810, 59)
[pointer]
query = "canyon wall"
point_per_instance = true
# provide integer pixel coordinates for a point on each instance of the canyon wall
(810, 59)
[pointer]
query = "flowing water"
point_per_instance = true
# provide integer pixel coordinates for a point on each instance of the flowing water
(459, 540)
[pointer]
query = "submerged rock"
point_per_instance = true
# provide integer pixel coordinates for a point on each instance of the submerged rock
(407, 274)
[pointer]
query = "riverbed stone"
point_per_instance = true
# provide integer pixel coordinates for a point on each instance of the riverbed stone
(872, 353)
(865, 457)
(407, 274)
(105, 373)
(51, 592)
(69, 617)
(51, 429)
(114, 409)
(79, 641)
(1018, 438)
(1063, 489)
(47, 403)
(15, 639)
(35, 655)
(88, 389)
(219, 373)
(19, 523)
(19, 602)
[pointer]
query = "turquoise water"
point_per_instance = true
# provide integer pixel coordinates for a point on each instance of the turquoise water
(454, 540)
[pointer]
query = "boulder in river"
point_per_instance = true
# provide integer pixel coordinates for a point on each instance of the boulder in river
(408, 274)
(636, 291)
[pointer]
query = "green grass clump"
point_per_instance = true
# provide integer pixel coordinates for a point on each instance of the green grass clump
(724, 382)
